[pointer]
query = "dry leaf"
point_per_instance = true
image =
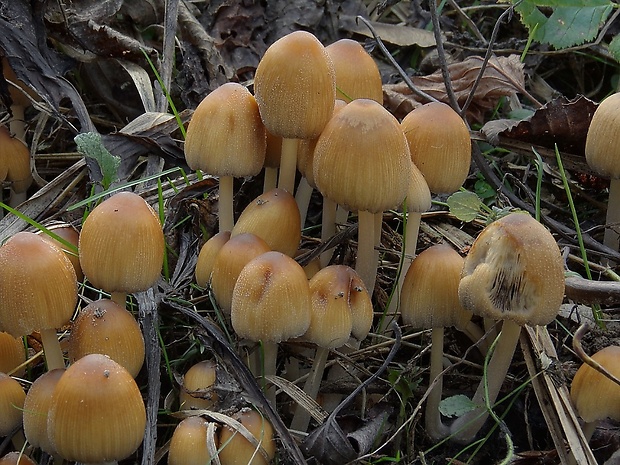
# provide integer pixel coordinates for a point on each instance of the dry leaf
(502, 77)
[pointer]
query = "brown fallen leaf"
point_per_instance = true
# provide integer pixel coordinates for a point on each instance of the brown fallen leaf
(503, 77)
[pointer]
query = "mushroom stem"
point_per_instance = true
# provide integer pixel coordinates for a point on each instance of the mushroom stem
(301, 419)
(225, 204)
(328, 228)
(467, 426)
(270, 356)
(612, 223)
(271, 179)
(119, 298)
(288, 165)
(475, 334)
(365, 264)
(52, 350)
(302, 197)
(434, 426)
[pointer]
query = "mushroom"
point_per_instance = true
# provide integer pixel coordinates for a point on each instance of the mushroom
(38, 291)
(226, 137)
(363, 145)
(189, 443)
(104, 327)
(12, 397)
(295, 90)
(197, 389)
(270, 304)
(514, 272)
(440, 146)
(274, 217)
(603, 155)
(16, 458)
(122, 246)
(235, 449)
(96, 412)
(429, 300)
(206, 257)
(15, 166)
(12, 353)
(72, 237)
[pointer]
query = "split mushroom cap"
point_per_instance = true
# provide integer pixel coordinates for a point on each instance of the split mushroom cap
(122, 244)
(274, 217)
(188, 445)
(36, 407)
(206, 257)
(226, 136)
(440, 146)
(16, 458)
(595, 396)
(229, 262)
(237, 450)
(363, 145)
(12, 353)
(357, 74)
(96, 412)
(514, 270)
(197, 389)
(12, 397)
(14, 162)
(104, 327)
(295, 86)
(38, 287)
(271, 299)
(429, 297)
(602, 148)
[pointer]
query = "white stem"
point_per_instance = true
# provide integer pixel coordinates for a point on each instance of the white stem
(475, 333)
(612, 223)
(342, 215)
(432, 420)
(270, 354)
(52, 350)
(120, 298)
(302, 197)
(225, 203)
(365, 264)
(288, 165)
(271, 179)
(301, 419)
(467, 426)
(328, 228)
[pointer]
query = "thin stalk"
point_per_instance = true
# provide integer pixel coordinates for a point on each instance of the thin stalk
(270, 356)
(288, 165)
(301, 419)
(271, 179)
(365, 264)
(225, 204)
(51, 349)
(120, 298)
(434, 426)
(302, 197)
(328, 228)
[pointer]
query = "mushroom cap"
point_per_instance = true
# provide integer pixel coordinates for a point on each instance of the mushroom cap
(38, 288)
(602, 141)
(16, 458)
(440, 146)
(361, 160)
(226, 136)
(12, 398)
(104, 327)
(357, 74)
(36, 407)
(12, 353)
(274, 217)
(295, 86)
(596, 396)
(196, 391)
(229, 262)
(14, 162)
(206, 257)
(514, 270)
(418, 194)
(96, 412)
(122, 244)
(188, 445)
(429, 297)
(71, 235)
(237, 450)
(271, 299)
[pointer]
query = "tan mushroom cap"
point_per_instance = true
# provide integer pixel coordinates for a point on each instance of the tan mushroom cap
(603, 138)
(274, 217)
(14, 162)
(206, 257)
(16, 458)
(36, 407)
(104, 327)
(595, 396)
(226, 136)
(72, 236)
(12, 398)
(237, 450)
(188, 445)
(12, 353)
(429, 297)
(196, 391)
(271, 299)
(418, 194)
(440, 146)
(357, 74)
(361, 146)
(96, 413)
(122, 244)
(514, 270)
(295, 86)
(38, 289)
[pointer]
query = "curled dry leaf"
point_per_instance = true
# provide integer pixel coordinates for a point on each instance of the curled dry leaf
(503, 76)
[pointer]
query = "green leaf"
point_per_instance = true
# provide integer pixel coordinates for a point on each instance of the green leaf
(464, 205)
(563, 23)
(614, 48)
(456, 406)
(91, 145)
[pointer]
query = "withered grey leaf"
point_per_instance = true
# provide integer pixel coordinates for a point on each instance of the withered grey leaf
(329, 444)
(403, 36)
(82, 10)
